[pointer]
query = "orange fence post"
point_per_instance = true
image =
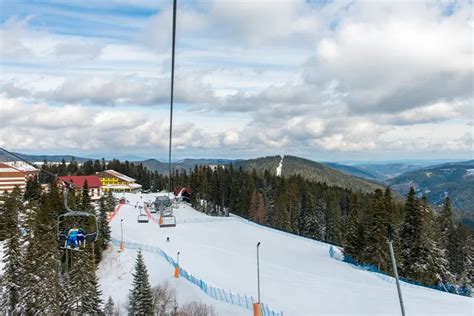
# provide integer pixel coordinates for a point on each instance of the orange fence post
(257, 309)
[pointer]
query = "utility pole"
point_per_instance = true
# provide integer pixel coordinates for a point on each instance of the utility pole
(394, 264)
(257, 310)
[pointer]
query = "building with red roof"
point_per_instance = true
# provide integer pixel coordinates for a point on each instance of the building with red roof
(93, 183)
(183, 194)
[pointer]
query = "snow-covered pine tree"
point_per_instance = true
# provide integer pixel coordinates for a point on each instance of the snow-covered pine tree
(314, 225)
(110, 202)
(109, 307)
(410, 236)
(433, 263)
(11, 281)
(461, 256)
(140, 299)
(45, 266)
(377, 249)
(30, 284)
(333, 221)
(445, 223)
(354, 245)
(445, 227)
(104, 229)
(83, 284)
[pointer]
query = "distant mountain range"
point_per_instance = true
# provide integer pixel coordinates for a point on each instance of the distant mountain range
(40, 158)
(185, 164)
(455, 180)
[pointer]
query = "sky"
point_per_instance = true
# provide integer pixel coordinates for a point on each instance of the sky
(326, 80)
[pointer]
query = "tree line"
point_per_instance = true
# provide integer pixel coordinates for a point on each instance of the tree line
(432, 248)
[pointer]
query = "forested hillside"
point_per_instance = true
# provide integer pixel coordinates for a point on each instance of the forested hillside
(309, 170)
(455, 180)
(352, 170)
(319, 172)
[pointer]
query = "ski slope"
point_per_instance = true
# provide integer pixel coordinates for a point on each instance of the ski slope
(298, 276)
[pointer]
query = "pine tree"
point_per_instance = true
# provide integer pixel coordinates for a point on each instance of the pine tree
(32, 190)
(377, 250)
(141, 299)
(104, 229)
(110, 202)
(85, 198)
(29, 290)
(46, 265)
(313, 219)
(354, 245)
(433, 263)
(12, 254)
(445, 223)
(109, 307)
(461, 256)
(444, 230)
(410, 236)
(82, 281)
(333, 219)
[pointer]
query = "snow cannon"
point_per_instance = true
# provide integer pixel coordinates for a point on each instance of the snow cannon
(176, 272)
(257, 309)
(161, 221)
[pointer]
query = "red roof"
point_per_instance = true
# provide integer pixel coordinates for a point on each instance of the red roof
(187, 190)
(92, 181)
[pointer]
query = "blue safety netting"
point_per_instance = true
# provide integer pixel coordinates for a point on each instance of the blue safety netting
(216, 293)
(460, 290)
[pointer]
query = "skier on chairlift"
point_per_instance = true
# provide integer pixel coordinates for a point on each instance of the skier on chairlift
(81, 236)
(72, 237)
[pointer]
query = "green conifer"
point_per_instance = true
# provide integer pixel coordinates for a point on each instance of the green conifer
(140, 299)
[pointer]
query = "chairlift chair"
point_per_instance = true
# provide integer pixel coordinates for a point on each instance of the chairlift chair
(142, 218)
(64, 221)
(167, 221)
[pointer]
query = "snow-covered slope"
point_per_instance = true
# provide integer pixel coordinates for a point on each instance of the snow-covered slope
(298, 276)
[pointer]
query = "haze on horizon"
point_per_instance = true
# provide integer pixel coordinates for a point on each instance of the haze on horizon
(342, 80)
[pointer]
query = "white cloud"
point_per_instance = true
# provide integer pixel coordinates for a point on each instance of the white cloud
(265, 77)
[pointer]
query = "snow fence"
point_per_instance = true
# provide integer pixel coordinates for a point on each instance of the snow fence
(212, 291)
(336, 254)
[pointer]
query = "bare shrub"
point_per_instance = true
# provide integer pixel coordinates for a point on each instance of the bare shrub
(197, 309)
(164, 300)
